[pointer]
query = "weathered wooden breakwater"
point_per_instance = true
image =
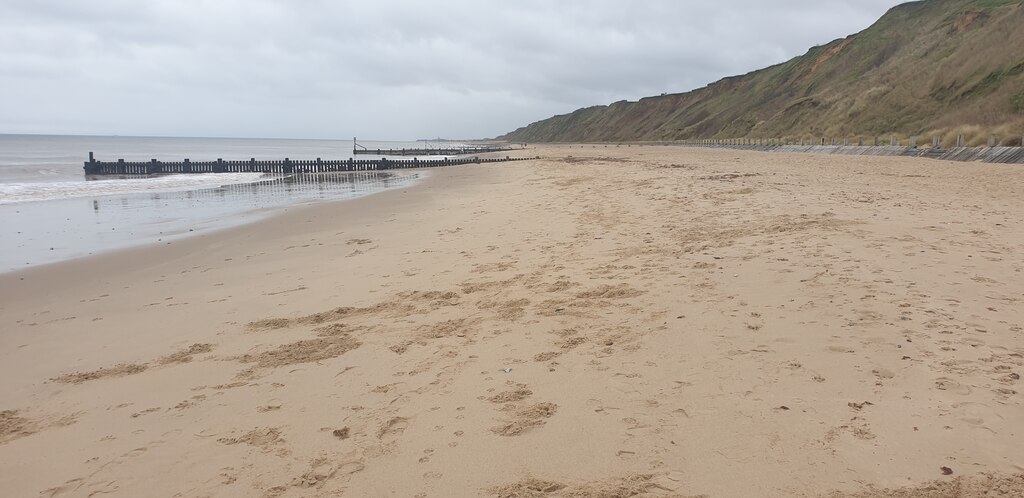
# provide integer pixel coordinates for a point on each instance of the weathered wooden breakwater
(991, 154)
(286, 166)
(465, 150)
(451, 151)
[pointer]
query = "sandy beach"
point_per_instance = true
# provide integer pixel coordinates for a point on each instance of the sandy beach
(606, 321)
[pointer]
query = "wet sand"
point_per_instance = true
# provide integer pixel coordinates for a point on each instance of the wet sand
(47, 229)
(642, 321)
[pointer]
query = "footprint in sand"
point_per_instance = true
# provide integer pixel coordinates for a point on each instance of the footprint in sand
(546, 356)
(976, 414)
(840, 349)
(525, 419)
(392, 429)
(321, 470)
(947, 384)
(974, 343)
(426, 455)
(883, 373)
(520, 393)
(351, 467)
(68, 487)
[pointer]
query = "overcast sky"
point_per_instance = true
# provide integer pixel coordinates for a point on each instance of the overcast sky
(377, 69)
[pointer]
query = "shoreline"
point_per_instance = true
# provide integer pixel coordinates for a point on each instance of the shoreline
(280, 219)
(211, 208)
(646, 322)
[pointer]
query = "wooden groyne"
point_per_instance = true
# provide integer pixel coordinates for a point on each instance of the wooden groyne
(452, 151)
(995, 154)
(286, 166)
(467, 150)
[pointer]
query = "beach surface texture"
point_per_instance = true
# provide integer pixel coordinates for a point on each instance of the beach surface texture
(606, 321)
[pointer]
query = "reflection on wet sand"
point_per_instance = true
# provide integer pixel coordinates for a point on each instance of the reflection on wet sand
(50, 231)
(299, 187)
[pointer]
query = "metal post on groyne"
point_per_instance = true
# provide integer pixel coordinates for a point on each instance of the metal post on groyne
(286, 166)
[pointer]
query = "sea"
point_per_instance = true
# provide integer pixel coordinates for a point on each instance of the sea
(50, 211)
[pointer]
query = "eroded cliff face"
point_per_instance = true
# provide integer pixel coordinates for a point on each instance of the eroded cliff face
(928, 67)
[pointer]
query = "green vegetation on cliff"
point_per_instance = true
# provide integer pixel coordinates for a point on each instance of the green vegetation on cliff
(929, 67)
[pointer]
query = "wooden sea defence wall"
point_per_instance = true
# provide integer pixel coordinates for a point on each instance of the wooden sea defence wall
(460, 151)
(986, 154)
(286, 166)
(464, 150)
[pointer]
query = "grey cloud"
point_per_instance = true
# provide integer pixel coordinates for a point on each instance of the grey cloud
(318, 68)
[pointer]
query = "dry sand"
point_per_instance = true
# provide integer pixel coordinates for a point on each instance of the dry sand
(627, 321)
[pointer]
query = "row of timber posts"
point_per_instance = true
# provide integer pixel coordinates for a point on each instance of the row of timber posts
(286, 166)
(463, 150)
(994, 152)
(936, 142)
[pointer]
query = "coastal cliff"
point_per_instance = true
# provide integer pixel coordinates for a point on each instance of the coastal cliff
(935, 67)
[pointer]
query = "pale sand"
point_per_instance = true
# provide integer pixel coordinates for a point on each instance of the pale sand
(677, 322)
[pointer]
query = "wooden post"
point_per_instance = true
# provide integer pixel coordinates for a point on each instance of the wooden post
(992, 141)
(913, 142)
(90, 167)
(892, 141)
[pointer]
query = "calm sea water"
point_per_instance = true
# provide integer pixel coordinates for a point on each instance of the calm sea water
(49, 210)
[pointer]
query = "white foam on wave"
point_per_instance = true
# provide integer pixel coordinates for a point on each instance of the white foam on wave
(27, 192)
